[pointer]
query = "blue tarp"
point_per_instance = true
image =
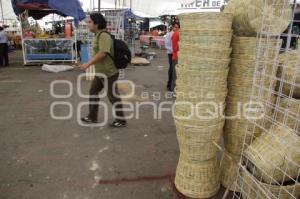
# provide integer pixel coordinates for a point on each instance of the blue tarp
(65, 7)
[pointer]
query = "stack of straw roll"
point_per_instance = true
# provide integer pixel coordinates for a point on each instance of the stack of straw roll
(272, 165)
(287, 112)
(257, 16)
(201, 89)
(289, 73)
(254, 188)
(229, 168)
(239, 108)
(274, 156)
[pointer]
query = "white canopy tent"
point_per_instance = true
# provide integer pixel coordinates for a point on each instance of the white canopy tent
(8, 12)
(155, 8)
(150, 8)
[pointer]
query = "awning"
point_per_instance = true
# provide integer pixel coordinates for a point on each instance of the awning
(155, 23)
(40, 8)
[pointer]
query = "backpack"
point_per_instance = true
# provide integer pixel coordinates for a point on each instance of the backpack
(122, 54)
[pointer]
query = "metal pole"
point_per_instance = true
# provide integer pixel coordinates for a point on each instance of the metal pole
(130, 5)
(2, 11)
(99, 5)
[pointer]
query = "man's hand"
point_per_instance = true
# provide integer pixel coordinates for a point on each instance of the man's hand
(84, 66)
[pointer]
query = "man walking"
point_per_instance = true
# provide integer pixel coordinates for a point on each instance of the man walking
(104, 64)
(3, 47)
(175, 46)
(168, 43)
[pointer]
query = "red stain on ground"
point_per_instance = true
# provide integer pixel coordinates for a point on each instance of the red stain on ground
(169, 177)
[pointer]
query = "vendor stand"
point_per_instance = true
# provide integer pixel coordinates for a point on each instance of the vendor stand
(57, 45)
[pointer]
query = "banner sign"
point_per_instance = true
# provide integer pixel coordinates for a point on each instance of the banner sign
(204, 4)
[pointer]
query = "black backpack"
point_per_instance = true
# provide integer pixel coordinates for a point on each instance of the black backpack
(122, 54)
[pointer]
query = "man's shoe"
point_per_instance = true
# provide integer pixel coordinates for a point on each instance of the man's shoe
(119, 124)
(88, 120)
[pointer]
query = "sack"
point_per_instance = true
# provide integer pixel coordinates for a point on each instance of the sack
(122, 54)
(56, 68)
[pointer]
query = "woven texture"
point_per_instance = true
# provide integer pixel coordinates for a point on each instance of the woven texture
(205, 38)
(287, 113)
(274, 156)
(197, 144)
(201, 89)
(229, 171)
(239, 108)
(250, 16)
(289, 72)
(254, 189)
(190, 176)
(205, 21)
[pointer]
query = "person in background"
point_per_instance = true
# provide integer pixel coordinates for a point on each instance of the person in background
(175, 47)
(104, 64)
(168, 43)
(3, 48)
(154, 33)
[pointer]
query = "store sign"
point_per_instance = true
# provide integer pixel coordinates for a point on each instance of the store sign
(204, 4)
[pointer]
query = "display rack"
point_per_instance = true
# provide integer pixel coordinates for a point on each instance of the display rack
(49, 50)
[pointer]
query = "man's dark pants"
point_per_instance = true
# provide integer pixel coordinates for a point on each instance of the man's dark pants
(4, 54)
(170, 73)
(96, 87)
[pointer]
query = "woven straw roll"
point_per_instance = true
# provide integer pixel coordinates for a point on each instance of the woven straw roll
(291, 76)
(196, 97)
(241, 24)
(207, 38)
(234, 143)
(248, 45)
(253, 108)
(251, 16)
(201, 123)
(252, 189)
(229, 171)
(261, 94)
(201, 63)
(275, 155)
(238, 127)
(219, 21)
(244, 86)
(240, 66)
(289, 108)
(272, 16)
(203, 111)
(187, 50)
(201, 88)
(198, 144)
(198, 180)
(207, 79)
(203, 91)
(291, 57)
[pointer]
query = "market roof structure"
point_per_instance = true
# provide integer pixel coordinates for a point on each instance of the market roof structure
(40, 8)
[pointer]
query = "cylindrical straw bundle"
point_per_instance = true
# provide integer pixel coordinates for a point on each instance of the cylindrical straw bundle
(241, 78)
(289, 72)
(287, 113)
(201, 89)
(257, 16)
(240, 82)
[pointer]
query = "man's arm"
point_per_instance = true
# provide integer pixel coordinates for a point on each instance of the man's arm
(95, 59)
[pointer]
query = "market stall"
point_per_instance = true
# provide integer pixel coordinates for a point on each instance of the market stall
(54, 45)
